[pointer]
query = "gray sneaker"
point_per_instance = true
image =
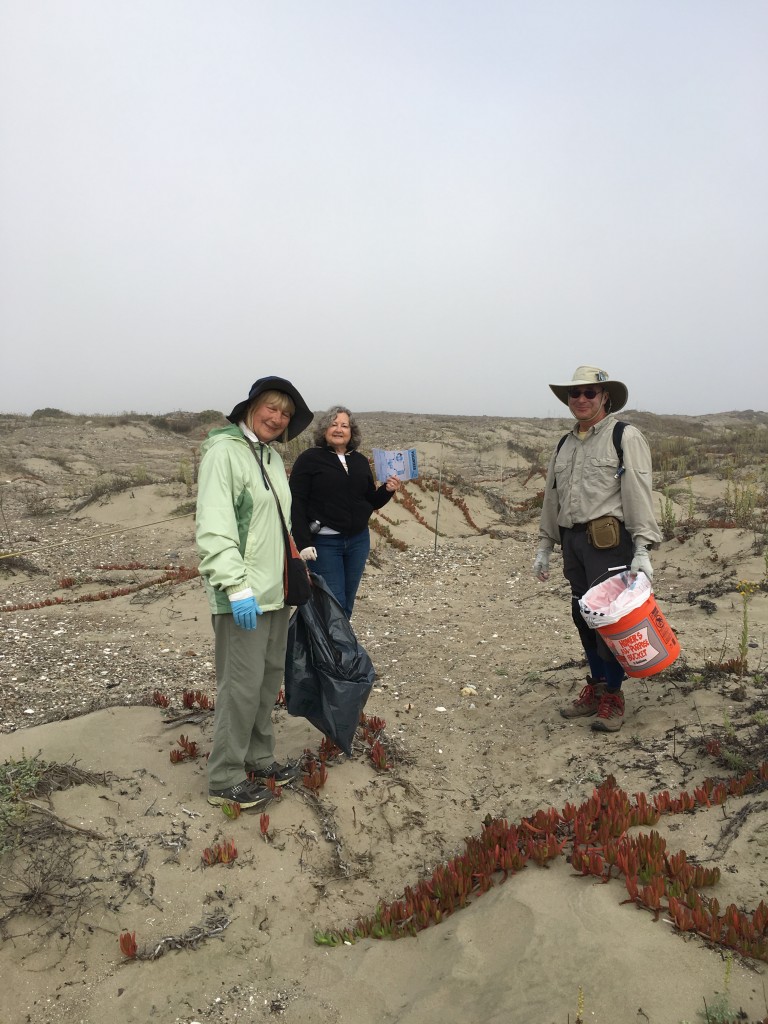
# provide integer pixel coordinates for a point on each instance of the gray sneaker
(245, 793)
(588, 701)
(283, 774)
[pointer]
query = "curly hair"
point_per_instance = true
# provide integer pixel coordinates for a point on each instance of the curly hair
(323, 422)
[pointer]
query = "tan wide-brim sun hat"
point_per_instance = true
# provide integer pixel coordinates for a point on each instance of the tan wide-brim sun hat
(584, 375)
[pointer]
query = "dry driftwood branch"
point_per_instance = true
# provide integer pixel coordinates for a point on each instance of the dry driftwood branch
(734, 825)
(63, 822)
(214, 925)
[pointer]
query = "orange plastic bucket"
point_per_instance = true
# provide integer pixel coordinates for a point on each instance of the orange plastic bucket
(643, 641)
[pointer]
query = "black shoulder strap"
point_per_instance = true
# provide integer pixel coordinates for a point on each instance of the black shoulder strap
(560, 444)
(618, 433)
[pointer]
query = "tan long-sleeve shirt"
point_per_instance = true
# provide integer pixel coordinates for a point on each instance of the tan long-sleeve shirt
(582, 484)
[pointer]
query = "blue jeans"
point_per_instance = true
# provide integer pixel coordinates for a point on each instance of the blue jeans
(340, 561)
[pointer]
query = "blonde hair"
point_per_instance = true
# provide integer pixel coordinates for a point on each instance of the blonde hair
(279, 400)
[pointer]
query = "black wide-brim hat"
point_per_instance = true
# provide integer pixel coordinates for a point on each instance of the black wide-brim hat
(302, 415)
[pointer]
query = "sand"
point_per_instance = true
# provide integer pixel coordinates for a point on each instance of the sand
(473, 657)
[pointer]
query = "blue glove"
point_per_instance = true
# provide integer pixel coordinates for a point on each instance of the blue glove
(245, 611)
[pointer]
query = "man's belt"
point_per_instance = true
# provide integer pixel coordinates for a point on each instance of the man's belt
(579, 527)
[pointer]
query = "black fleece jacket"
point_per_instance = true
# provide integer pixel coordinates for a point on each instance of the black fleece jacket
(322, 490)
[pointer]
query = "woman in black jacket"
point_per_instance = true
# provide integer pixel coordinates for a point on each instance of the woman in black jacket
(334, 495)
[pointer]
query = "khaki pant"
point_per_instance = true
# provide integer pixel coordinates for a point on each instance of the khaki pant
(250, 666)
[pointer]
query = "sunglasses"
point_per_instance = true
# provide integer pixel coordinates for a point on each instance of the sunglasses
(589, 393)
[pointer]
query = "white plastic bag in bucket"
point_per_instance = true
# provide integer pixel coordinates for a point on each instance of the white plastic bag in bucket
(623, 610)
(611, 600)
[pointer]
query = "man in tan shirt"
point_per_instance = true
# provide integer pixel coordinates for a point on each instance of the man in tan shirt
(588, 479)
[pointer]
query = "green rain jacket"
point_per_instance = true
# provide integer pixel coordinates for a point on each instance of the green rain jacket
(238, 532)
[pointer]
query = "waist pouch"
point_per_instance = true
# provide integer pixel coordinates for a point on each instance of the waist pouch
(604, 532)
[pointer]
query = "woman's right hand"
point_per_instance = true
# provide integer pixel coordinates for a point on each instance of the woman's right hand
(245, 609)
(308, 554)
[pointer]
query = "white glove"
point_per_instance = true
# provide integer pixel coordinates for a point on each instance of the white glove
(308, 554)
(642, 562)
(541, 561)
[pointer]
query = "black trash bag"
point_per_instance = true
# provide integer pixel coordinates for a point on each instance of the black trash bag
(328, 675)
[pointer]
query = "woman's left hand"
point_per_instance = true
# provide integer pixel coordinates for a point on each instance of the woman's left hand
(393, 484)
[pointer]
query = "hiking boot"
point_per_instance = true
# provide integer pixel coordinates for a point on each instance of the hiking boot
(283, 774)
(610, 714)
(587, 702)
(244, 793)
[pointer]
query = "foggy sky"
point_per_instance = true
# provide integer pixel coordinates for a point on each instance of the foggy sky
(406, 205)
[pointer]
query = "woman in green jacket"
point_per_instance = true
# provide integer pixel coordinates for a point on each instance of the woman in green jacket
(240, 542)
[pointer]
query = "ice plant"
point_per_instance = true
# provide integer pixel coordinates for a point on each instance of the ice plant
(328, 749)
(188, 750)
(272, 786)
(264, 825)
(128, 945)
(231, 809)
(209, 856)
(170, 575)
(219, 853)
(596, 840)
(188, 746)
(713, 748)
(371, 723)
(192, 698)
(378, 756)
(315, 775)
(447, 492)
(227, 851)
(404, 498)
(384, 531)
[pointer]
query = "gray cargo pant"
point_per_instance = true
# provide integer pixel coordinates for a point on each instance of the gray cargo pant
(250, 667)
